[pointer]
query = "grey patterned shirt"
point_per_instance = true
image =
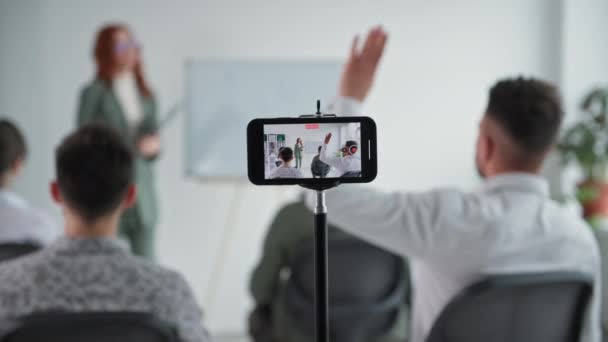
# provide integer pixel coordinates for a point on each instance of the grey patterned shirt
(286, 172)
(97, 275)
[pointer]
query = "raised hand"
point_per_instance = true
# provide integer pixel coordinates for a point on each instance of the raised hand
(327, 138)
(360, 69)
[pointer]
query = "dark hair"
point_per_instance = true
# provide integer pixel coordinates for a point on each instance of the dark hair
(319, 149)
(94, 170)
(530, 112)
(286, 154)
(12, 146)
(350, 143)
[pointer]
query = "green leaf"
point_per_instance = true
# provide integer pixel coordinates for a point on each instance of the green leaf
(595, 221)
(587, 194)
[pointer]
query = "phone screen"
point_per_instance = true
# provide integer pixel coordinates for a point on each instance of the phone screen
(312, 150)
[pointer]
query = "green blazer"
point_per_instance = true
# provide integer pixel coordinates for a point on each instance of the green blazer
(98, 103)
(297, 151)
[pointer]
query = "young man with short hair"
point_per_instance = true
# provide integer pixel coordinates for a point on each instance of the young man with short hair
(285, 170)
(347, 165)
(19, 221)
(454, 238)
(90, 269)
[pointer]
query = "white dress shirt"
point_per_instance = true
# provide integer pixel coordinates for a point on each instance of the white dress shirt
(20, 222)
(454, 238)
(127, 93)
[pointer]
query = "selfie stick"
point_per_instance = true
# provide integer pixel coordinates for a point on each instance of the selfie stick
(321, 272)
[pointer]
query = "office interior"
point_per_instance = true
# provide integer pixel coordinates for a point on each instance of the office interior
(427, 100)
(312, 137)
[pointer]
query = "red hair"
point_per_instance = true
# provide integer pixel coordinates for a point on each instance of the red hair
(104, 57)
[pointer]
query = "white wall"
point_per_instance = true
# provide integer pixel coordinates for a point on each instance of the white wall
(584, 67)
(431, 90)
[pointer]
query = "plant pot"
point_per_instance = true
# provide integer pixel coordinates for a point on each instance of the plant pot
(593, 197)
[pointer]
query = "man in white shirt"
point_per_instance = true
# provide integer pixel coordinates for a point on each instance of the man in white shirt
(347, 163)
(19, 222)
(285, 170)
(454, 238)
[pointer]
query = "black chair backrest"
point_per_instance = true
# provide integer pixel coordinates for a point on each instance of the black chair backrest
(366, 289)
(546, 307)
(14, 250)
(91, 327)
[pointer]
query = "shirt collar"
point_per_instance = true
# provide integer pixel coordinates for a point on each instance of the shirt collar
(522, 182)
(71, 245)
(12, 199)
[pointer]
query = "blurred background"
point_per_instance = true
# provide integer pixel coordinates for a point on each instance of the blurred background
(441, 58)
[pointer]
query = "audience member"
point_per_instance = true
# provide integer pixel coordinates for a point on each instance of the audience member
(454, 238)
(270, 321)
(19, 221)
(318, 168)
(90, 269)
(285, 170)
(347, 163)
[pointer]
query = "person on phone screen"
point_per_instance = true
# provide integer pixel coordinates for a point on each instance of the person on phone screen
(298, 150)
(318, 168)
(347, 165)
(285, 170)
(120, 97)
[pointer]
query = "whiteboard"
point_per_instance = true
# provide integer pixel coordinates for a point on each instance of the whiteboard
(223, 96)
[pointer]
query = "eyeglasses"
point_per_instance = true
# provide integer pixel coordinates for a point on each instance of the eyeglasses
(122, 47)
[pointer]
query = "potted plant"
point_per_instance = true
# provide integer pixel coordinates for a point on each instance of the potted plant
(586, 143)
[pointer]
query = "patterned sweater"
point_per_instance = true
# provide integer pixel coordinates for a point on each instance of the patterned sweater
(97, 274)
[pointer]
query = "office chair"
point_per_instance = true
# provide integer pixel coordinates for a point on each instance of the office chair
(545, 307)
(366, 290)
(13, 250)
(90, 327)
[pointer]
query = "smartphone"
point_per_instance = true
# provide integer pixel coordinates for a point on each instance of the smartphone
(311, 151)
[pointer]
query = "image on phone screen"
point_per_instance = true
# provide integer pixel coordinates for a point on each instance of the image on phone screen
(312, 150)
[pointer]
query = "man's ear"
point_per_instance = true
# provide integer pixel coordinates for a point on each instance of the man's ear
(130, 197)
(490, 147)
(55, 192)
(486, 144)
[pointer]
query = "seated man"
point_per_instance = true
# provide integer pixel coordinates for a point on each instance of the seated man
(454, 238)
(347, 165)
(19, 222)
(285, 170)
(270, 321)
(90, 269)
(318, 168)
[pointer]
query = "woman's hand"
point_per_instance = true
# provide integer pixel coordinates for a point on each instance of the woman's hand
(148, 146)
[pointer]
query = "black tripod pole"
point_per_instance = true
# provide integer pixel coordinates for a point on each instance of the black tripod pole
(321, 284)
